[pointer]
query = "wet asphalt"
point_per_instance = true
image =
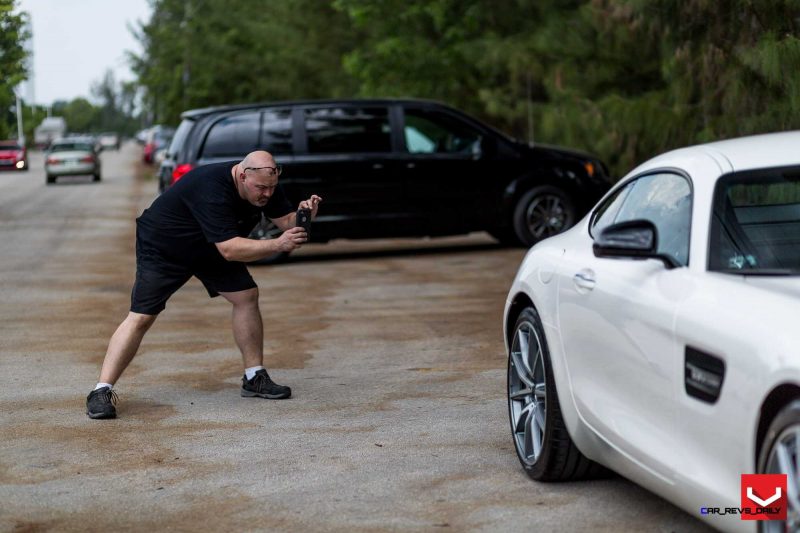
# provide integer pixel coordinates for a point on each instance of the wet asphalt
(393, 349)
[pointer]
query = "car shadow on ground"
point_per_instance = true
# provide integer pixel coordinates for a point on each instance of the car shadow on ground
(377, 251)
(74, 180)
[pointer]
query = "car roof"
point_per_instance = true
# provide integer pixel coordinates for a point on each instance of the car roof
(200, 112)
(743, 153)
(10, 142)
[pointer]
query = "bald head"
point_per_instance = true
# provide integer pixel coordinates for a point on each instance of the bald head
(256, 177)
(257, 159)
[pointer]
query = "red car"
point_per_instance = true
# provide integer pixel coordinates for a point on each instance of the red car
(13, 156)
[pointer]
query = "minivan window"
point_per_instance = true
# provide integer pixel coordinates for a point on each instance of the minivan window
(348, 130)
(180, 136)
(234, 135)
(435, 133)
(276, 131)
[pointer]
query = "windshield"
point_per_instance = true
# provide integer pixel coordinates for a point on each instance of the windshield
(755, 227)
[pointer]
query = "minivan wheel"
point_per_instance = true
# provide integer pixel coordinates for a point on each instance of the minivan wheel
(542, 212)
(543, 444)
(779, 455)
(265, 230)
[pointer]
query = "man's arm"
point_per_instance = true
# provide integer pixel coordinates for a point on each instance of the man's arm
(285, 222)
(246, 250)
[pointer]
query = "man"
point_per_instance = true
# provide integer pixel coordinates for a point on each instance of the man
(198, 227)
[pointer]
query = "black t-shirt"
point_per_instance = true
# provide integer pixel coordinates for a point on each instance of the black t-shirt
(201, 209)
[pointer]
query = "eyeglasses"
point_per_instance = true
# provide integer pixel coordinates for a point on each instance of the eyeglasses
(271, 171)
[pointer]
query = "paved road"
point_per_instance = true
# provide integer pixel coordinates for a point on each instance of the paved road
(393, 350)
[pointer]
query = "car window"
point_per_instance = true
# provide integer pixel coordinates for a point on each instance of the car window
(64, 147)
(663, 199)
(606, 214)
(234, 135)
(428, 132)
(180, 136)
(756, 222)
(276, 131)
(348, 130)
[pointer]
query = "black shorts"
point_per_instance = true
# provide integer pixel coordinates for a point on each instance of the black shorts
(158, 277)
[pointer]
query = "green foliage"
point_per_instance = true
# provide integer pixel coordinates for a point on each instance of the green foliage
(625, 79)
(202, 53)
(13, 33)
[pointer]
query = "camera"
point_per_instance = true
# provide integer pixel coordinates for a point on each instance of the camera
(304, 220)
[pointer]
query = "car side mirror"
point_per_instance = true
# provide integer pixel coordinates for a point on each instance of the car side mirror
(487, 147)
(634, 239)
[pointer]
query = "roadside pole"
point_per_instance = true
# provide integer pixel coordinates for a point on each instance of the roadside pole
(20, 131)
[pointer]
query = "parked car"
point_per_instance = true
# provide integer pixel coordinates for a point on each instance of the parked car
(158, 138)
(13, 156)
(109, 140)
(658, 337)
(72, 156)
(394, 168)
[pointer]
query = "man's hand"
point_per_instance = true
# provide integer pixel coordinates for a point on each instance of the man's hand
(291, 239)
(312, 203)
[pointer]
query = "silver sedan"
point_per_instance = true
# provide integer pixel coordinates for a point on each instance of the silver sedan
(72, 157)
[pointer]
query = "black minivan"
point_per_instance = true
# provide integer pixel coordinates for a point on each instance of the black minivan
(397, 168)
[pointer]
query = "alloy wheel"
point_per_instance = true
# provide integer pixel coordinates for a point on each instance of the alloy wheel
(785, 459)
(546, 215)
(527, 393)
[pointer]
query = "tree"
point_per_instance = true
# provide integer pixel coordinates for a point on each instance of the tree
(201, 53)
(13, 33)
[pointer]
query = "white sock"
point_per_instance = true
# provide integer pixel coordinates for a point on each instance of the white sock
(250, 372)
(101, 385)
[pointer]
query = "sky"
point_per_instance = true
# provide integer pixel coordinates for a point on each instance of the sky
(76, 41)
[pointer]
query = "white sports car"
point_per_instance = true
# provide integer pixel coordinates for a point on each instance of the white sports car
(660, 336)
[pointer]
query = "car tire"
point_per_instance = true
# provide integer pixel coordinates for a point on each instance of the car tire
(50, 179)
(541, 440)
(542, 212)
(265, 230)
(96, 177)
(781, 440)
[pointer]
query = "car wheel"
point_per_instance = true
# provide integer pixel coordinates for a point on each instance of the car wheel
(543, 445)
(780, 454)
(50, 179)
(542, 212)
(96, 177)
(266, 229)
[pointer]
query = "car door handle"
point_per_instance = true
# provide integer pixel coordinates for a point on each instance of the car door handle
(377, 166)
(584, 279)
(411, 165)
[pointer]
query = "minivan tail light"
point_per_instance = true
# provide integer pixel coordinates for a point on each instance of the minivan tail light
(180, 170)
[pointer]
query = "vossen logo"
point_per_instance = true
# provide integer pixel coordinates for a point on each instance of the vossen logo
(763, 498)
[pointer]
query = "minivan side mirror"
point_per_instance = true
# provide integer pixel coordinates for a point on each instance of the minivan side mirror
(633, 239)
(487, 147)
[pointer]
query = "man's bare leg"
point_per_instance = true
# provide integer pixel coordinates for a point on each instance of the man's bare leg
(124, 345)
(248, 331)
